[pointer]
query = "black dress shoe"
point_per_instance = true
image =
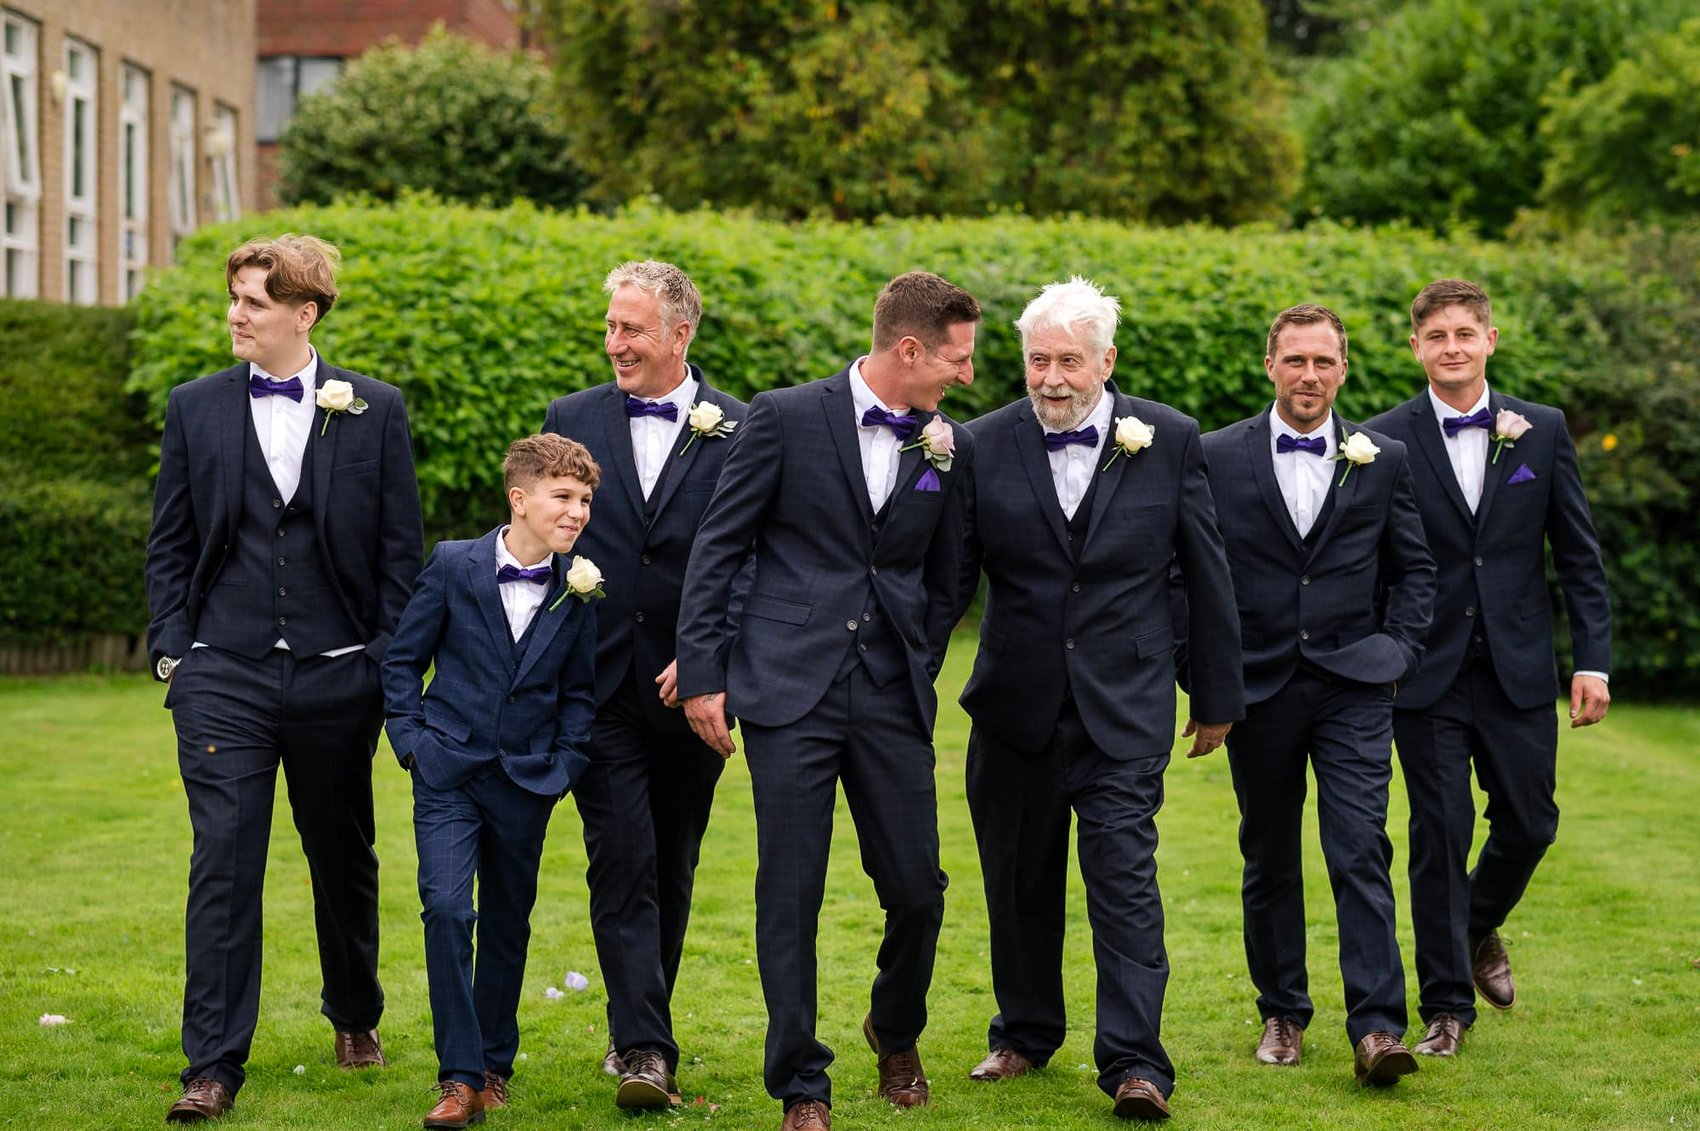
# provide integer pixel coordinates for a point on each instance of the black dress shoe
(203, 1098)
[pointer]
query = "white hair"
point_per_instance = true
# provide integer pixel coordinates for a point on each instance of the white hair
(1079, 307)
(670, 287)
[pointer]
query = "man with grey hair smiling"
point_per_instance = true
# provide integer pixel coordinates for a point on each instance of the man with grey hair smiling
(1082, 497)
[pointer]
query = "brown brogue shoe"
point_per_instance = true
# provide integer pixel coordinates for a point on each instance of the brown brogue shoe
(359, 1050)
(1283, 1041)
(807, 1115)
(1139, 1098)
(1381, 1058)
(646, 1084)
(494, 1095)
(203, 1098)
(612, 1063)
(1001, 1064)
(1490, 968)
(458, 1106)
(903, 1082)
(1445, 1034)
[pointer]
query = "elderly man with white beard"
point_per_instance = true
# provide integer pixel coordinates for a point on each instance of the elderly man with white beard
(1081, 500)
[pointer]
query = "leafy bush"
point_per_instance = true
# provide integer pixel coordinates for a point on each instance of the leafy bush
(482, 317)
(450, 116)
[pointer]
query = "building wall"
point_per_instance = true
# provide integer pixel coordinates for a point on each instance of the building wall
(204, 46)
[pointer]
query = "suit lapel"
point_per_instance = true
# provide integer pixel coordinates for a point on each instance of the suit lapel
(840, 412)
(546, 623)
(620, 443)
(1339, 495)
(1109, 479)
(481, 579)
(679, 456)
(1262, 464)
(1432, 445)
(235, 420)
(320, 454)
(1030, 442)
(1493, 474)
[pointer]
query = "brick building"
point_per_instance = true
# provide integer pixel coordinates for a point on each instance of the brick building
(124, 125)
(303, 44)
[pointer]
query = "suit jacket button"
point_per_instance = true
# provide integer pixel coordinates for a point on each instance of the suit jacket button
(1069, 644)
(282, 592)
(876, 528)
(643, 559)
(861, 647)
(1075, 588)
(500, 753)
(1478, 561)
(513, 699)
(867, 616)
(276, 503)
(282, 620)
(1304, 634)
(1471, 611)
(1305, 579)
(874, 571)
(639, 618)
(851, 625)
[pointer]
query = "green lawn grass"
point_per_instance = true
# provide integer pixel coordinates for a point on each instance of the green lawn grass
(94, 848)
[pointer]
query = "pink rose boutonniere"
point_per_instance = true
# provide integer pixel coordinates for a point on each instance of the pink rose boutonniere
(938, 447)
(1508, 428)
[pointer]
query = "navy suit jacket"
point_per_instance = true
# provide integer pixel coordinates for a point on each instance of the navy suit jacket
(645, 547)
(1098, 626)
(486, 704)
(1492, 563)
(364, 495)
(1357, 600)
(793, 492)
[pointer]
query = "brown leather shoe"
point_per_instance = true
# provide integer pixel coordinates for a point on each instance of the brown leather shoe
(612, 1063)
(1001, 1064)
(359, 1050)
(203, 1098)
(807, 1115)
(494, 1096)
(1139, 1098)
(1490, 967)
(1283, 1041)
(457, 1106)
(903, 1082)
(1445, 1034)
(646, 1084)
(1381, 1058)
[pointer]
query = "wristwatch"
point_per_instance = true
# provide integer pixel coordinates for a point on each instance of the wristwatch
(166, 665)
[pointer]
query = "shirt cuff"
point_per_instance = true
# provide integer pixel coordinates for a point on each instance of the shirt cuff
(1601, 676)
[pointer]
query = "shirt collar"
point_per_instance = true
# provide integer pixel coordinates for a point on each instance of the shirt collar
(1280, 427)
(305, 374)
(680, 397)
(862, 395)
(503, 557)
(1442, 410)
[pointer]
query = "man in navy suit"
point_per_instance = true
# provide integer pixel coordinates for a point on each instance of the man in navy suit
(847, 491)
(493, 743)
(1081, 498)
(286, 537)
(1335, 587)
(1497, 480)
(661, 434)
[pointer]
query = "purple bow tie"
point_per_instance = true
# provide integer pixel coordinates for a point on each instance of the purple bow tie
(513, 573)
(1314, 445)
(1057, 441)
(1481, 418)
(902, 425)
(260, 387)
(666, 410)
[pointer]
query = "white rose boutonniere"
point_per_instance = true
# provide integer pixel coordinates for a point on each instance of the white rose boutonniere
(338, 397)
(584, 581)
(1358, 449)
(1508, 428)
(1131, 435)
(708, 421)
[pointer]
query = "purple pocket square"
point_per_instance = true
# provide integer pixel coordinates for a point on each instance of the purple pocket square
(929, 480)
(1521, 475)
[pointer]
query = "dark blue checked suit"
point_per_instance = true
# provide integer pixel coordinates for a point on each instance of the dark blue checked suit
(831, 674)
(493, 743)
(645, 797)
(234, 566)
(1329, 623)
(1485, 692)
(1073, 702)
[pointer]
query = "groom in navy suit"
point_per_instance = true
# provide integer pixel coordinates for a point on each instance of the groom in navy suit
(286, 538)
(1498, 482)
(1081, 498)
(660, 433)
(1335, 587)
(847, 490)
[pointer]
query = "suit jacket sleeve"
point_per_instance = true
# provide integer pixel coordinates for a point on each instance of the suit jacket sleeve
(400, 528)
(1576, 559)
(173, 544)
(943, 572)
(1407, 569)
(749, 482)
(410, 653)
(1215, 674)
(973, 552)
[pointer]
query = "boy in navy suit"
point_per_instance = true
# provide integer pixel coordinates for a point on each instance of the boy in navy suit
(492, 744)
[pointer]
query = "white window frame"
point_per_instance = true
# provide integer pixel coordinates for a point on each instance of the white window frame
(221, 156)
(20, 161)
(82, 142)
(180, 184)
(133, 100)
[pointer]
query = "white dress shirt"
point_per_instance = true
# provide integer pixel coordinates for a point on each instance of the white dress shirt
(1303, 477)
(283, 425)
(879, 444)
(1073, 465)
(1468, 450)
(653, 436)
(520, 599)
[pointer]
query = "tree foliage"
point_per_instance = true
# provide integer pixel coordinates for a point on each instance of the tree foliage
(1142, 109)
(450, 116)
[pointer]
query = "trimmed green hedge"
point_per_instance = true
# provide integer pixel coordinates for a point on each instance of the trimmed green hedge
(483, 316)
(74, 475)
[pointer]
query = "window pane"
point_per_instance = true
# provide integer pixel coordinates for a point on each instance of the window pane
(316, 73)
(79, 145)
(20, 122)
(274, 95)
